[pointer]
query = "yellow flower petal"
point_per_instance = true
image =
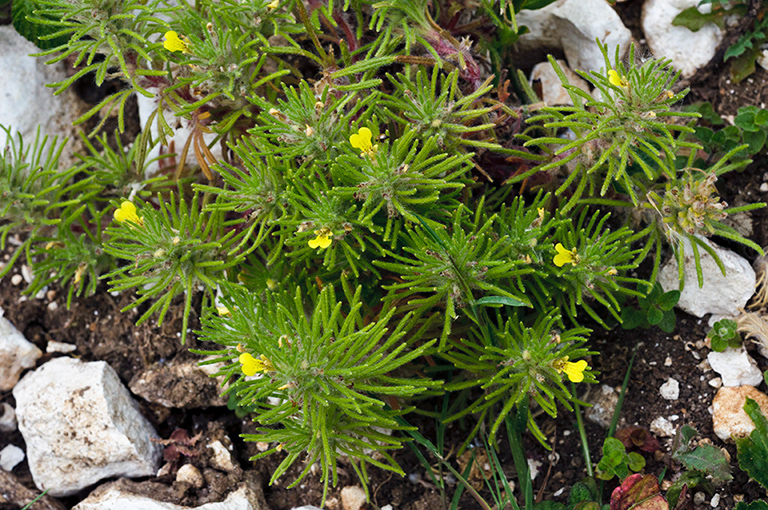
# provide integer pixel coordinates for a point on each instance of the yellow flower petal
(175, 43)
(615, 79)
(127, 212)
(563, 256)
(575, 371)
(323, 239)
(250, 364)
(362, 140)
(223, 310)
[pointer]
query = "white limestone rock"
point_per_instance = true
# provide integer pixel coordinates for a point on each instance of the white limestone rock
(552, 91)
(7, 418)
(189, 474)
(25, 101)
(729, 419)
(10, 457)
(688, 50)
(736, 367)
(670, 390)
(573, 26)
(16, 353)
(722, 296)
(662, 427)
(352, 497)
(112, 497)
(81, 425)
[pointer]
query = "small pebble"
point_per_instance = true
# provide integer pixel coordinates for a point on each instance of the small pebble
(10, 457)
(668, 362)
(54, 346)
(26, 273)
(53, 306)
(715, 501)
(262, 446)
(699, 498)
(191, 475)
(716, 382)
(16, 279)
(352, 497)
(670, 390)
(50, 295)
(764, 187)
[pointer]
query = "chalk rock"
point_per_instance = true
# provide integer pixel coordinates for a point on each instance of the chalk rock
(7, 418)
(603, 403)
(182, 131)
(662, 427)
(670, 390)
(25, 101)
(10, 457)
(688, 50)
(112, 497)
(16, 352)
(572, 26)
(352, 497)
(552, 90)
(722, 296)
(736, 367)
(81, 425)
(189, 474)
(182, 384)
(729, 419)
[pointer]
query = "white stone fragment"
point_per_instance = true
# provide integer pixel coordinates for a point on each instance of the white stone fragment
(16, 279)
(670, 390)
(728, 417)
(688, 50)
(722, 296)
(221, 458)
(573, 26)
(54, 346)
(81, 425)
(662, 427)
(191, 475)
(25, 101)
(16, 354)
(10, 457)
(352, 497)
(716, 382)
(715, 501)
(552, 90)
(113, 498)
(736, 367)
(7, 417)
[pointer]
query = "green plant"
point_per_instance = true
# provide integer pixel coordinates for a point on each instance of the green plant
(723, 334)
(656, 309)
(617, 462)
(753, 452)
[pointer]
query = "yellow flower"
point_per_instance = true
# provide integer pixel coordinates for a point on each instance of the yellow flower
(273, 4)
(253, 365)
(127, 212)
(323, 239)
(574, 371)
(223, 310)
(362, 140)
(271, 284)
(615, 79)
(564, 256)
(175, 43)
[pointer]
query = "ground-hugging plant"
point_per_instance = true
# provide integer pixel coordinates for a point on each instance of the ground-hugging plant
(353, 256)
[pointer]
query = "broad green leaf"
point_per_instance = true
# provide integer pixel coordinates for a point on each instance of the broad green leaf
(753, 450)
(709, 459)
(667, 324)
(668, 300)
(755, 505)
(654, 315)
(694, 20)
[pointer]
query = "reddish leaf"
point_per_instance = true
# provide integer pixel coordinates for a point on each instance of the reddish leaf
(637, 437)
(638, 492)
